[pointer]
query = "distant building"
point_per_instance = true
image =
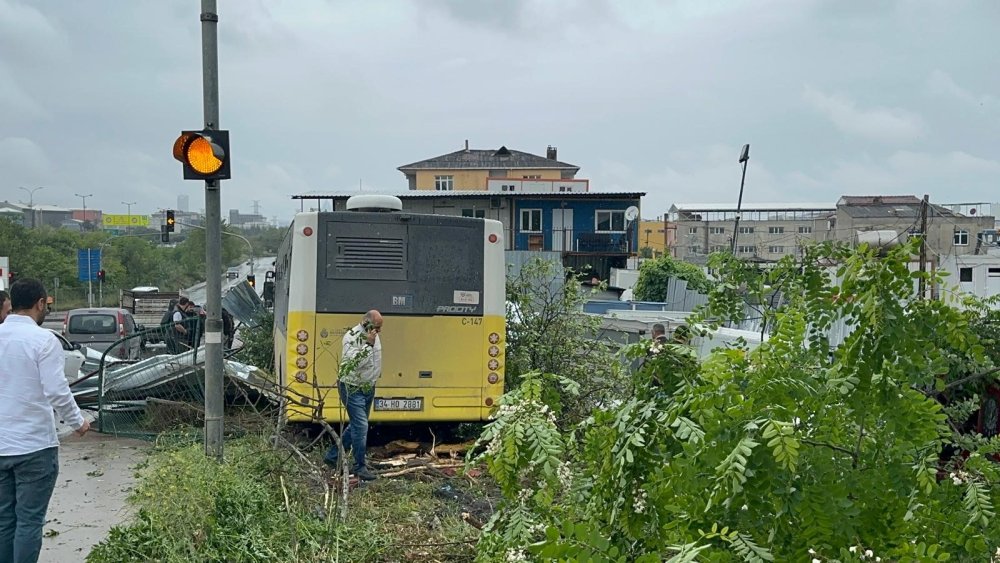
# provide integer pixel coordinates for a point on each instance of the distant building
(247, 220)
(473, 169)
(653, 235)
(767, 232)
(182, 202)
(948, 232)
(12, 214)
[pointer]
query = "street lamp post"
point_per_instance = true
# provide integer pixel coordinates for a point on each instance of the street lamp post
(744, 158)
(84, 198)
(253, 258)
(128, 204)
(31, 201)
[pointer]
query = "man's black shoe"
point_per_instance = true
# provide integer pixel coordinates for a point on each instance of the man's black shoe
(364, 474)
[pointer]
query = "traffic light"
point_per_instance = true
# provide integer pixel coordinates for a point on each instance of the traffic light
(164, 234)
(100, 275)
(252, 280)
(170, 220)
(204, 154)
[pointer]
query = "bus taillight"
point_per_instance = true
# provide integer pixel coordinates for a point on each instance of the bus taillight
(302, 335)
(494, 338)
(301, 363)
(493, 238)
(302, 349)
(308, 231)
(301, 376)
(494, 351)
(494, 364)
(489, 401)
(493, 378)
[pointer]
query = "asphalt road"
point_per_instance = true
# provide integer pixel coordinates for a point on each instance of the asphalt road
(96, 473)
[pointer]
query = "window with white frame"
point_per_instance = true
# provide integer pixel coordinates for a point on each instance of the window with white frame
(805, 230)
(531, 220)
(694, 249)
(444, 183)
(716, 230)
(775, 230)
(477, 213)
(719, 248)
(609, 221)
(692, 230)
(776, 249)
(531, 177)
(961, 237)
(746, 249)
(746, 230)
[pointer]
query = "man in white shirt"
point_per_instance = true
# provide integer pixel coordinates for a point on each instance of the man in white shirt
(360, 368)
(32, 384)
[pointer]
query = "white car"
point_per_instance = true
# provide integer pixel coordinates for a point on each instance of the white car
(74, 357)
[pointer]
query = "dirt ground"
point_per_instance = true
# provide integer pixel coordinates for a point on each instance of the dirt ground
(96, 473)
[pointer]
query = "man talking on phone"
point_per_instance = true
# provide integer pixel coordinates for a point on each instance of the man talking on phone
(360, 368)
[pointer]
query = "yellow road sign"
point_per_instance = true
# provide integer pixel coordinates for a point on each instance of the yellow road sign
(125, 220)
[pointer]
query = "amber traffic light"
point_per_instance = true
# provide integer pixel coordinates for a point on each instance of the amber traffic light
(170, 220)
(204, 154)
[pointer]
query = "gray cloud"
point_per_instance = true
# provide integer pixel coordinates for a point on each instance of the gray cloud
(834, 97)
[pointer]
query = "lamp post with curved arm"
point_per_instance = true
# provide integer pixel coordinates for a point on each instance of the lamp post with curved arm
(31, 201)
(84, 198)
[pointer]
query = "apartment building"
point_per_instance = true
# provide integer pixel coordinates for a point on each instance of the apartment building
(767, 231)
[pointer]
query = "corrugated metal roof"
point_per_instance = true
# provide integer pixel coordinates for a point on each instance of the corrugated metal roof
(747, 207)
(473, 193)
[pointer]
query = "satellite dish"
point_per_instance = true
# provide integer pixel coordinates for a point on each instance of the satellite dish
(631, 213)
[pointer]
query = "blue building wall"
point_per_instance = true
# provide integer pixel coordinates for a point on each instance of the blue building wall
(584, 223)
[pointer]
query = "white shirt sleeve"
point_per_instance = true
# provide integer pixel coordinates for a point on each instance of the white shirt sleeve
(178, 317)
(51, 370)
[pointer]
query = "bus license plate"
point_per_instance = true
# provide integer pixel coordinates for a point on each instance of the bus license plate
(416, 404)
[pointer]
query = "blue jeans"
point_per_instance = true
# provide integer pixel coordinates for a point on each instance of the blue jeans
(355, 436)
(26, 483)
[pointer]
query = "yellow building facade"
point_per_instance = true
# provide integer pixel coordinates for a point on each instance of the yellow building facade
(653, 235)
(475, 179)
(471, 169)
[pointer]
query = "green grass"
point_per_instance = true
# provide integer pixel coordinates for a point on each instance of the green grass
(190, 508)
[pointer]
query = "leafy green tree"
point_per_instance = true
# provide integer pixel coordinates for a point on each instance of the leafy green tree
(654, 275)
(548, 332)
(806, 448)
(190, 254)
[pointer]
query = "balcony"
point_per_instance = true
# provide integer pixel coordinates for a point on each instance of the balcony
(569, 241)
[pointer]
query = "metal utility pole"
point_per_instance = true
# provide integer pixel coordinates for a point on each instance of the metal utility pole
(922, 283)
(84, 198)
(129, 205)
(744, 158)
(213, 239)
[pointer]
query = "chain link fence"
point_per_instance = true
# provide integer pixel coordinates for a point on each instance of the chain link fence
(164, 388)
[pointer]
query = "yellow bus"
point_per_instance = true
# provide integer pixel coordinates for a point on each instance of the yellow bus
(439, 282)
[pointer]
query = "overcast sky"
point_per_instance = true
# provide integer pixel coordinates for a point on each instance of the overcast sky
(835, 97)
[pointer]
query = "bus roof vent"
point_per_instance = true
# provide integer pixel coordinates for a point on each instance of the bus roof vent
(374, 202)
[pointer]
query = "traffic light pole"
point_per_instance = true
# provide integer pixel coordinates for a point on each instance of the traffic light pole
(213, 240)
